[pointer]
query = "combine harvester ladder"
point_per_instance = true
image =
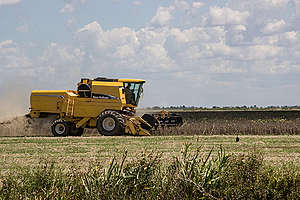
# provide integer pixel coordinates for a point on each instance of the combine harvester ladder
(70, 107)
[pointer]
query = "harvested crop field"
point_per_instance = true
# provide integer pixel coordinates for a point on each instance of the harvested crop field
(22, 152)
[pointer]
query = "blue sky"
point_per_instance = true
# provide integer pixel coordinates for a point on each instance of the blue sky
(191, 52)
(47, 22)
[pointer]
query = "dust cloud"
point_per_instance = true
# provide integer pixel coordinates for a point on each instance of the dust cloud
(14, 104)
(14, 98)
(24, 126)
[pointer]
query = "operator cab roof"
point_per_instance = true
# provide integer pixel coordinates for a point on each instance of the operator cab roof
(119, 80)
(132, 80)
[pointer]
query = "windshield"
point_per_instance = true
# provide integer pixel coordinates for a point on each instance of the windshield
(133, 92)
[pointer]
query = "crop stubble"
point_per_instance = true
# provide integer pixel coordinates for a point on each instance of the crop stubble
(24, 152)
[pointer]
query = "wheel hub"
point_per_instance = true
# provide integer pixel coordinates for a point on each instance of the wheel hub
(60, 129)
(108, 124)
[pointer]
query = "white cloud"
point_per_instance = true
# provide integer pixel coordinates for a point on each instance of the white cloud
(141, 50)
(72, 5)
(256, 5)
(291, 36)
(198, 35)
(71, 22)
(227, 67)
(275, 26)
(9, 2)
(289, 39)
(93, 27)
(239, 28)
(182, 4)
(5, 43)
(124, 52)
(156, 49)
(12, 56)
(277, 3)
(148, 36)
(223, 16)
(198, 4)
(155, 58)
(67, 8)
(59, 65)
(54, 62)
(163, 16)
(137, 3)
(259, 52)
(23, 28)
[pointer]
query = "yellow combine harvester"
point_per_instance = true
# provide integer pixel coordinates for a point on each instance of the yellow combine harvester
(102, 103)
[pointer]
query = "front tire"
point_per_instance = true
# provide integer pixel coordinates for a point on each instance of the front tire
(111, 123)
(60, 128)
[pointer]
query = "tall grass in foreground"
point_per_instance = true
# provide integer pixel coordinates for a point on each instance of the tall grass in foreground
(193, 175)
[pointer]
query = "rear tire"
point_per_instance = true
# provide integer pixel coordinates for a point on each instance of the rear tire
(111, 123)
(60, 128)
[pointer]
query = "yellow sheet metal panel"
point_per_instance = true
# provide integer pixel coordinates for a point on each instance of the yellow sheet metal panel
(47, 100)
(89, 107)
(106, 83)
(130, 127)
(133, 127)
(132, 80)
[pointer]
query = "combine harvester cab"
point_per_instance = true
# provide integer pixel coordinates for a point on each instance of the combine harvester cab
(106, 104)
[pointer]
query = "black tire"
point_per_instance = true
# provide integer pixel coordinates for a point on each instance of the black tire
(111, 123)
(60, 128)
(76, 131)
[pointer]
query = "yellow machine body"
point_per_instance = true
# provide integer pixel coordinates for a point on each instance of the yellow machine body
(69, 104)
(94, 98)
